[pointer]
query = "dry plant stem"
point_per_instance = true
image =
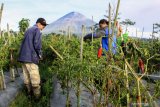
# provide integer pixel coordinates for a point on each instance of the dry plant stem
(127, 84)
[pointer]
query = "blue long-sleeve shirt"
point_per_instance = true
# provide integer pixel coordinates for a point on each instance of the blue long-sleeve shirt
(30, 50)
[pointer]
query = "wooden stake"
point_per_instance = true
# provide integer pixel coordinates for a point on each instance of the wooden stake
(109, 30)
(3, 35)
(92, 33)
(139, 94)
(115, 19)
(81, 51)
(56, 53)
(1, 11)
(2, 81)
(119, 95)
(12, 74)
(136, 33)
(69, 33)
(79, 74)
(9, 35)
(127, 85)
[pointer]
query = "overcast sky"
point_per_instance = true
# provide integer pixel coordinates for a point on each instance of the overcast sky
(143, 12)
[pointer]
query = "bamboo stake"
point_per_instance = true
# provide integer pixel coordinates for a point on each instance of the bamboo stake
(56, 53)
(92, 33)
(119, 95)
(0, 34)
(12, 74)
(139, 94)
(68, 76)
(138, 86)
(4, 84)
(81, 51)
(109, 30)
(2, 81)
(69, 33)
(152, 38)
(79, 76)
(107, 89)
(3, 35)
(2, 5)
(8, 33)
(127, 85)
(115, 19)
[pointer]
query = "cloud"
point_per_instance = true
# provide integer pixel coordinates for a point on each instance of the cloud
(144, 12)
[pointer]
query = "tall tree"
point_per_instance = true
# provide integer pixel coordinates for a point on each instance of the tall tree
(23, 25)
(128, 22)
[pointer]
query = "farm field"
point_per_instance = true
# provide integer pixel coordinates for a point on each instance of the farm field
(89, 72)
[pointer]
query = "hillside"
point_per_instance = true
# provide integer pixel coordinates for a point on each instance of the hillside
(74, 20)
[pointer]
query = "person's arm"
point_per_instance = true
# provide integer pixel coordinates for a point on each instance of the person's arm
(119, 31)
(38, 43)
(100, 33)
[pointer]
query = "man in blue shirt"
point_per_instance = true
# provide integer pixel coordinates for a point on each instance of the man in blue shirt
(30, 54)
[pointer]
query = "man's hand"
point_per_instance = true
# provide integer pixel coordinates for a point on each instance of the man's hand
(40, 57)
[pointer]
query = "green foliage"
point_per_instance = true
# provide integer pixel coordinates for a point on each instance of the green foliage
(23, 25)
(103, 74)
(91, 72)
(157, 88)
(4, 54)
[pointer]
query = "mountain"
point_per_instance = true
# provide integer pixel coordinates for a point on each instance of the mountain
(72, 20)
